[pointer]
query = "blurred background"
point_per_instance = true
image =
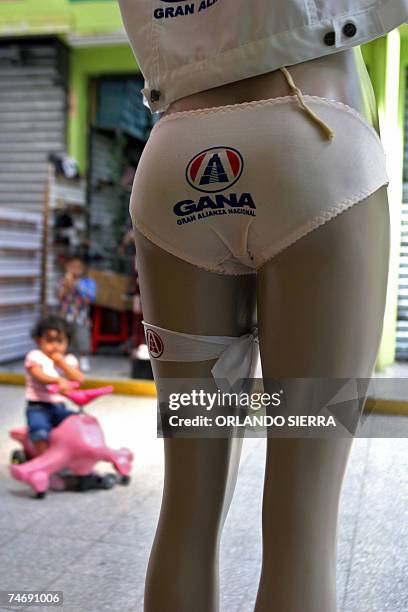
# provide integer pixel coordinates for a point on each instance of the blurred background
(72, 129)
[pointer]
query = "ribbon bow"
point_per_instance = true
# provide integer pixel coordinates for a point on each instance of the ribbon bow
(237, 361)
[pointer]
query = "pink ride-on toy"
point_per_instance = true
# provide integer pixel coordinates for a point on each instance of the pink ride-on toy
(77, 444)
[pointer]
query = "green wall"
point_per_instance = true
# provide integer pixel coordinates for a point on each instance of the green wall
(392, 110)
(59, 16)
(86, 63)
(374, 54)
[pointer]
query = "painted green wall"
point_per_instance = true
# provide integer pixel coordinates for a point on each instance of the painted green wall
(86, 63)
(52, 16)
(374, 54)
(391, 116)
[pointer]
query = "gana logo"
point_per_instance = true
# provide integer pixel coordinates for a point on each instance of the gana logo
(214, 169)
(154, 343)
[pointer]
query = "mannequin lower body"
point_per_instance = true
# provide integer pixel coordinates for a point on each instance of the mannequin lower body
(319, 305)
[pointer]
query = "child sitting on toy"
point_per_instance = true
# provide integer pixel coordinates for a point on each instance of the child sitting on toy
(49, 364)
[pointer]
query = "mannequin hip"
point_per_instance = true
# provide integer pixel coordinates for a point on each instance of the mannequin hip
(340, 76)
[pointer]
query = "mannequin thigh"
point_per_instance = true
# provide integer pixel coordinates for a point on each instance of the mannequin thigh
(321, 301)
(320, 314)
(180, 296)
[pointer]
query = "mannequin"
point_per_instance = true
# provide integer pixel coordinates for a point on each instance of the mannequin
(319, 306)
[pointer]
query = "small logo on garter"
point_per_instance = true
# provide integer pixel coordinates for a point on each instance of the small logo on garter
(215, 169)
(154, 343)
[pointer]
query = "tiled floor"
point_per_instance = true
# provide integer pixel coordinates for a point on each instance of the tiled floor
(94, 546)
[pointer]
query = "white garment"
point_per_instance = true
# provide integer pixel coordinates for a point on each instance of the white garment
(236, 356)
(186, 47)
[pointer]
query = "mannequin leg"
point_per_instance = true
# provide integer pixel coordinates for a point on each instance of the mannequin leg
(320, 312)
(200, 473)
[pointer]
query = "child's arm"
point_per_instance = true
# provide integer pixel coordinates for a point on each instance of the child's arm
(71, 372)
(61, 291)
(65, 286)
(37, 372)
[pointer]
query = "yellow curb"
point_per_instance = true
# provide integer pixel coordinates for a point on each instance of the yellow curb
(8, 378)
(145, 388)
(386, 406)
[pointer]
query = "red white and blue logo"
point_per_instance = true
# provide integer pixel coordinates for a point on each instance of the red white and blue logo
(215, 169)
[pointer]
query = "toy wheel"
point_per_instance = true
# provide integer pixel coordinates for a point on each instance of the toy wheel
(108, 481)
(18, 457)
(40, 495)
(124, 480)
(87, 482)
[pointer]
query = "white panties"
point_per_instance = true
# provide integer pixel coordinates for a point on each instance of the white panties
(227, 188)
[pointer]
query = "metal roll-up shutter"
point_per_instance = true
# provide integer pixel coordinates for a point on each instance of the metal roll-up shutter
(33, 109)
(402, 316)
(20, 274)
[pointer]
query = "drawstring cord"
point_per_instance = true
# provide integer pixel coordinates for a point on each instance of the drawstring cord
(326, 129)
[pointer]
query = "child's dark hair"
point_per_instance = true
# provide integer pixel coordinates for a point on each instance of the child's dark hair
(73, 257)
(76, 256)
(51, 322)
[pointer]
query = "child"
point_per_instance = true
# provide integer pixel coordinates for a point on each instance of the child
(75, 293)
(44, 366)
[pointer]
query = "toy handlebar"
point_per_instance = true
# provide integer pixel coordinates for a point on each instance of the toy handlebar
(55, 388)
(81, 397)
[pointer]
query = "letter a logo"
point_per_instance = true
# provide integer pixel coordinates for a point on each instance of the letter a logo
(154, 343)
(214, 171)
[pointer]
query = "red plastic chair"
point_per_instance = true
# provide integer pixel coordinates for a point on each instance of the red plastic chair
(100, 336)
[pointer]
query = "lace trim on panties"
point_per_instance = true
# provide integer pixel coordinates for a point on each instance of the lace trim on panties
(321, 219)
(269, 102)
